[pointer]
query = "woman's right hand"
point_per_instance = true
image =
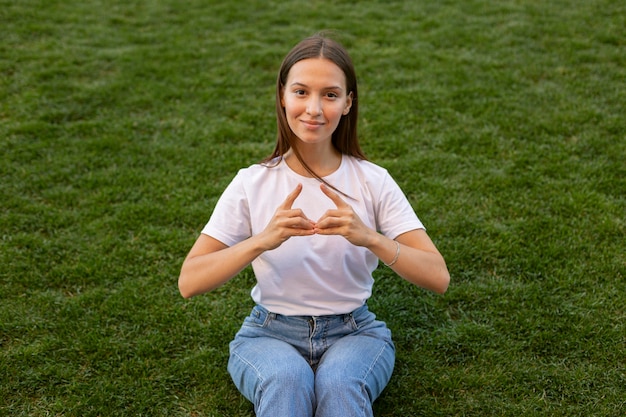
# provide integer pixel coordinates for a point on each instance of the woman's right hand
(286, 222)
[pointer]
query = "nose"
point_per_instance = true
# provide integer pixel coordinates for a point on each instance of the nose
(314, 106)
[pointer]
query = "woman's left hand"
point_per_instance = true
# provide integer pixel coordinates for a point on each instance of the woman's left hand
(343, 221)
(414, 256)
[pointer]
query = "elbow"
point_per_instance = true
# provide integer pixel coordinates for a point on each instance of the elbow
(443, 282)
(442, 288)
(183, 288)
(185, 294)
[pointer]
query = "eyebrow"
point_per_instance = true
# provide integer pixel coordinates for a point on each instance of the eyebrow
(336, 87)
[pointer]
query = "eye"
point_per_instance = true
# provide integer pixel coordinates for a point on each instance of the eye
(332, 95)
(299, 92)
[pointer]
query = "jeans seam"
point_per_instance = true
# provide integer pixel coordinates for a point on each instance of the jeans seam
(258, 375)
(369, 371)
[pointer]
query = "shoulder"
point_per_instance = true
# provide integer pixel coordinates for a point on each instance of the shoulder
(362, 178)
(257, 180)
(365, 166)
(259, 171)
(368, 172)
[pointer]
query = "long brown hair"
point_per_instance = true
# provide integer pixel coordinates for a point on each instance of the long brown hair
(344, 138)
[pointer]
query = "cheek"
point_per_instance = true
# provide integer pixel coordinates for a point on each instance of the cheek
(291, 114)
(335, 114)
(292, 107)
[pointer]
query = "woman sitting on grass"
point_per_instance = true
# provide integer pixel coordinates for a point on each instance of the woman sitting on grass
(314, 219)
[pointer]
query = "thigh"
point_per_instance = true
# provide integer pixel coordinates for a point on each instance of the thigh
(362, 361)
(256, 363)
(273, 376)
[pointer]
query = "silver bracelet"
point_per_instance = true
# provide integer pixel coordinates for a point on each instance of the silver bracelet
(395, 258)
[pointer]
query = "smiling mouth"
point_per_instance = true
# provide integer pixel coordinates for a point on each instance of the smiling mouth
(312, 122)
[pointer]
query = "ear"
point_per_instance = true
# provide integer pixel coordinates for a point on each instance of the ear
(282, 97)
(346, 110)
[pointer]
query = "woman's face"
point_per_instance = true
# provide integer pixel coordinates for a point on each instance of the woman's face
(315, 98)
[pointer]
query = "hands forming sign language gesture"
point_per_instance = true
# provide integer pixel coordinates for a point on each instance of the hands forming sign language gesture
(288, 222)
(210, 263)
(421, 263)
(342, 221)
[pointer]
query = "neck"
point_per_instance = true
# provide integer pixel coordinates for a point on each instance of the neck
(323, 160)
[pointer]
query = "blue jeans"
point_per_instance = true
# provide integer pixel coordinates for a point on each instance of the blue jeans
(305, 366)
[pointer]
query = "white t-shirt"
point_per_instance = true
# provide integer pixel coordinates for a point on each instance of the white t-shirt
(313, 275)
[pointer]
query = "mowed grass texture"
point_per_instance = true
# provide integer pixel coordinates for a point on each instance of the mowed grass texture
(122, 122)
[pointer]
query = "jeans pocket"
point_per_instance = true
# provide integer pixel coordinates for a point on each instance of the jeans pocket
(362, 318)
(259, 317)
(351, 322)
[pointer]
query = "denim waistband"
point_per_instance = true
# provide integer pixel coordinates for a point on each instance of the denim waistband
(356, 313)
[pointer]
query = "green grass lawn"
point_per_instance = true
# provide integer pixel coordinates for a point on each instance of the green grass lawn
(121, 122)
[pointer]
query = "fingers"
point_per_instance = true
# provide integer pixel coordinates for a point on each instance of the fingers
(293, 218)
(329, 227)
(296, 219)
(299, 227)
(330, 223)
(334, 218)
(342, 221)
(334, 197)
(286, 205)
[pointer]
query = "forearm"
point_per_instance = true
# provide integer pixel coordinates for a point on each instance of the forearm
(425, 269)
(418, 262)
(203, 272)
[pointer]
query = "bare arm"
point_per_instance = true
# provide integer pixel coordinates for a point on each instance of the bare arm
(419, 261)
(210, 263)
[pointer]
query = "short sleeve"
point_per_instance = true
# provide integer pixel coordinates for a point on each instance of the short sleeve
(394, 214)
(230, 221)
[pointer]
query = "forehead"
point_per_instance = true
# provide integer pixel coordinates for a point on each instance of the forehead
(317, 72)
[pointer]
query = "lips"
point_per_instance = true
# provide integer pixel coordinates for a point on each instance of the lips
(312, 123)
